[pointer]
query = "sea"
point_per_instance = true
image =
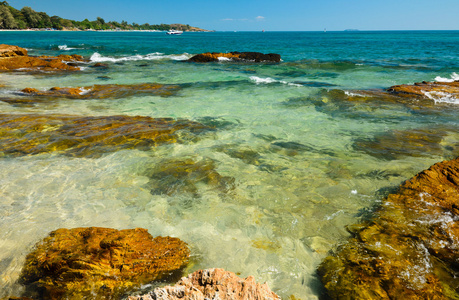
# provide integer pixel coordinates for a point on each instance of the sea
(304, 161)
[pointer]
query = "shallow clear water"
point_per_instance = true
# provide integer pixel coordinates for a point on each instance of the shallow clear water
(291, 148)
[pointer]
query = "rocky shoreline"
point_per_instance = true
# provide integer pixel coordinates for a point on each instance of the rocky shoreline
(14, 58)
(407, 249)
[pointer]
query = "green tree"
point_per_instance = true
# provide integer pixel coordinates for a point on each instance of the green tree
(19, 17)
(66, 23)
(56, 22)
(7, 20)
(32, 17)
(45, 21)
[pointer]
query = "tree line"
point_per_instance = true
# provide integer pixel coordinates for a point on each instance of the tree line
(12, 18)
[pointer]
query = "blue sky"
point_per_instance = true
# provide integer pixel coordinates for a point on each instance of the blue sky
(307, 15)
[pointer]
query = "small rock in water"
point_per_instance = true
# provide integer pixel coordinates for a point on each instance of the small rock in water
(236, 56)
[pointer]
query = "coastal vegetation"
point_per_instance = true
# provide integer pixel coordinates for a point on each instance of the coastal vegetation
(26, 18)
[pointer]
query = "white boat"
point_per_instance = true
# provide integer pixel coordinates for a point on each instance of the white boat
(174, 32)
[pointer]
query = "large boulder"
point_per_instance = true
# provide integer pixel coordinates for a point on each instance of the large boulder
(212, 284)
(409, 249)
(236, 56)
(10, 51)
(99, 263)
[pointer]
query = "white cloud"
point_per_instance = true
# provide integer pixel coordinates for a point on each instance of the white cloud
(260, 18)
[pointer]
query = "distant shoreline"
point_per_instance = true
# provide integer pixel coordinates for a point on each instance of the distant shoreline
(108, 30)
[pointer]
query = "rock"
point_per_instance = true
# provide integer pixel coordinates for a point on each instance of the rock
(396, 144)
(408, 250)
(99, 65)
(212, 284)
(103, 91)
(28, 63)
(99, 263)
(423, 95)
(184, 176)
(88, 136)
(10, 51)
(16, 58)
(66, 57)
(236, 56)
(426, 90)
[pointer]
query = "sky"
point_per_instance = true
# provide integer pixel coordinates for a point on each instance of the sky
(269, 15)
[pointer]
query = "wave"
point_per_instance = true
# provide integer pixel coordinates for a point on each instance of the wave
(268, 80)
(454, 76)
(66, 48)
(441, 97)
(96, 57)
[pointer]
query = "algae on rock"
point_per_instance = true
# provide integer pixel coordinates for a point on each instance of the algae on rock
(408, 250)
(99, 263)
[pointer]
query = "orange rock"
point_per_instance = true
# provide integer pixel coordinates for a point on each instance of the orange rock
(28, 63)
(9, 51)
(426, 89)
(87, 136)
(408, 250)
(99, 263)
(212, 284)
(106, 91)
(16, 58)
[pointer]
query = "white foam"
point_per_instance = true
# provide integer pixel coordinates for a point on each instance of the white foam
(454, 76)
(441, 97)
(65, 48)
(84, 91)
(268, 80)
(96, 57)
(351, 94)
(222, 58)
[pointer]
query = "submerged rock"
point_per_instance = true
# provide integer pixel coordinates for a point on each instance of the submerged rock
(99, 263)
(103, 91)
(212, 284)
(88, 136)
(236, 56)
(408, 250)
(399, 143)
(185, 176)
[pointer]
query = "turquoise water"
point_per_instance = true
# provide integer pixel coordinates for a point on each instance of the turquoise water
(297, 153)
